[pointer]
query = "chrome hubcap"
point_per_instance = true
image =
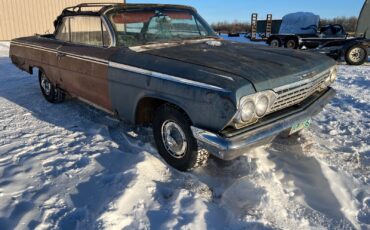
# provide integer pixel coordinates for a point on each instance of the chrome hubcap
(174, 139)
(46, 85)
(275, 43)
(357, 54)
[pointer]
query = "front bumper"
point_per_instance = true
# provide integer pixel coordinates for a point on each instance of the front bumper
(228, 148)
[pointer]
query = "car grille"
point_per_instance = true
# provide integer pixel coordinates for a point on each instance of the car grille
(292, 94)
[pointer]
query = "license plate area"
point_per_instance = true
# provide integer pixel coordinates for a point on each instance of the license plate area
(299, 126)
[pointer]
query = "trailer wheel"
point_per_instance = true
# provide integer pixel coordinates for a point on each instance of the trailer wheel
(291, 43)
(275, 42)
(51, 93)
(356, 55)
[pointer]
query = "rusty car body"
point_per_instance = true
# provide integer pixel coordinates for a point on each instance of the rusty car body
(163, 65)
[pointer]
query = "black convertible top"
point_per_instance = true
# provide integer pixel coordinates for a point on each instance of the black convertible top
(100, 8)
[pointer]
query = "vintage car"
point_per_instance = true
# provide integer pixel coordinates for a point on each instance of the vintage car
(164, 65)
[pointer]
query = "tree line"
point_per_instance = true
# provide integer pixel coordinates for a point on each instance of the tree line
(349, 24)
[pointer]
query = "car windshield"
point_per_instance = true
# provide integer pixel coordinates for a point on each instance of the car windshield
(142, 27)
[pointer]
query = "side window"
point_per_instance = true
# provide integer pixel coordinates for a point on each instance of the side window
(63, 32)
(106, 38)
(87, 30)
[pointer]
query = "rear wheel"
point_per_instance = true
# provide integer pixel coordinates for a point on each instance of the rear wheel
(51, 93)
(175, 141)
(275, 42)
(356, 55)
(291, 44)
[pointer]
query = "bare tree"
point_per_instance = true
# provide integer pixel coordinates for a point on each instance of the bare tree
(349, 24)
(231, 27)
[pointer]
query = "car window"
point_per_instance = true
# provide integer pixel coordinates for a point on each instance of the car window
(63, 32)
(139, 27)
(87, 30)
(183, 26)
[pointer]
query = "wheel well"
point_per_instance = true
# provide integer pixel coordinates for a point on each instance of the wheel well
(146, 108)
(35, 69)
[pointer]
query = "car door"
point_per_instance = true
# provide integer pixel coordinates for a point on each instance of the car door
(83, 60)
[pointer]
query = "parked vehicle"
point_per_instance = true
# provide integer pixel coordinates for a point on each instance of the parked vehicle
(309, 41)
(355, 50)
(163, 65)
(331, 40)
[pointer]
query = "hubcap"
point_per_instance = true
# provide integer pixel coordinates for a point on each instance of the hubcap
(275, 43)
(357, 54)
(174, 139)
(46, 85)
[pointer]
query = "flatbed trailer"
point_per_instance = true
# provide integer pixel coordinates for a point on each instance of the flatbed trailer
(332, 40)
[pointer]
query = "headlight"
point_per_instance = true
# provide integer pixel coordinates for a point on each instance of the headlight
(247, 111)
(262, 104)
(330, 79)
(327, 81)
(333, 74)
(253, 107)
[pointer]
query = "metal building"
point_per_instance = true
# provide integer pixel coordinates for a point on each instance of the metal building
(363, 26)
(20, 18)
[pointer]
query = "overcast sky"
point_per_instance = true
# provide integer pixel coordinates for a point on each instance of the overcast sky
(241, 10)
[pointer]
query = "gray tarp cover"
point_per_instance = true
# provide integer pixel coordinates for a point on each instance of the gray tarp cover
(300, 23)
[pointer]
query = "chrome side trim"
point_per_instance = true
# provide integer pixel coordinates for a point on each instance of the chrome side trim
(27, 45)
(164, 76)
(80, 57)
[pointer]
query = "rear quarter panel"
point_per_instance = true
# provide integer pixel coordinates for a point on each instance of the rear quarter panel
(29, 52)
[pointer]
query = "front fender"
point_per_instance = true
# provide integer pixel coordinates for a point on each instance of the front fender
(206, 108)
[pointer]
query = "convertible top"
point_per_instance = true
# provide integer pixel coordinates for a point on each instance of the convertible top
(97, 9)
(363, 25)
(100, 8)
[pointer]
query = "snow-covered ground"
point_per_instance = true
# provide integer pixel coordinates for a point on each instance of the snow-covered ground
(70, 166)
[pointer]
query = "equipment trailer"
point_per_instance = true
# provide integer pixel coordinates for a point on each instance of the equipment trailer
(332, 40)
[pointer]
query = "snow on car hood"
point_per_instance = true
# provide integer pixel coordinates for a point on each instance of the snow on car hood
(265, 67)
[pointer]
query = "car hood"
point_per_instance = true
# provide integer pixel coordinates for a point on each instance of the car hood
(264, 67)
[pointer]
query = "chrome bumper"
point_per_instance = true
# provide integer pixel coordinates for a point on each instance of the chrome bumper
(233, 147)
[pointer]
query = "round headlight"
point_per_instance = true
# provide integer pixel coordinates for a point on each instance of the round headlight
(262, 105)
(247, 112)
(333, 75)
(327, 81)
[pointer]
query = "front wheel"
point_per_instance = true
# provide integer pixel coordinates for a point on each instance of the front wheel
(175, 141)
(356, 55)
